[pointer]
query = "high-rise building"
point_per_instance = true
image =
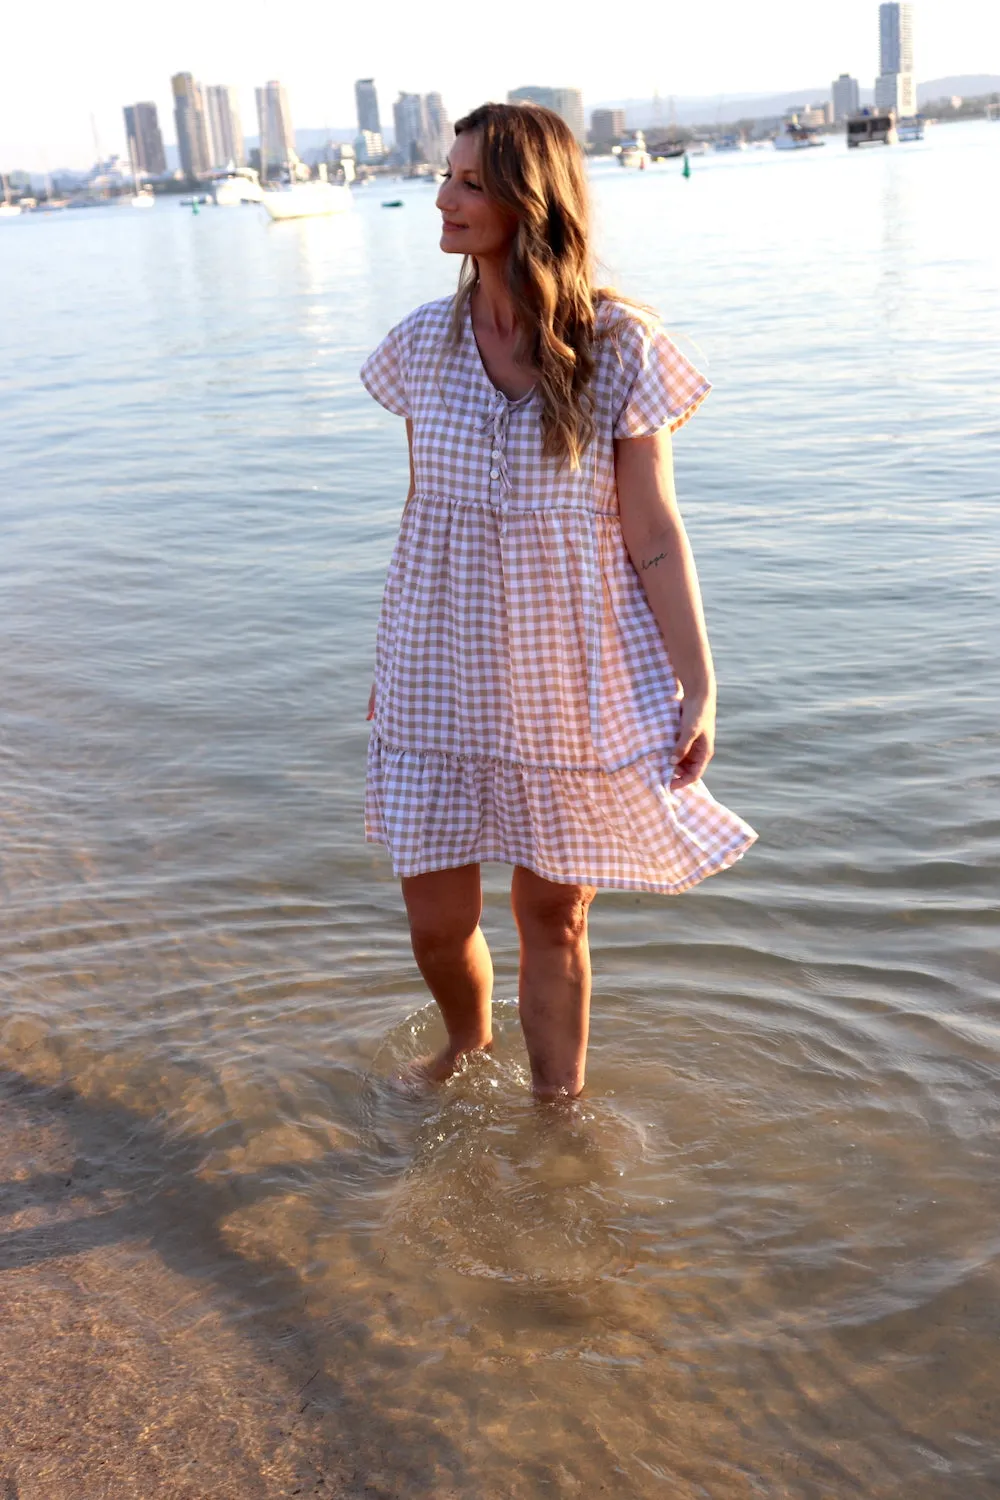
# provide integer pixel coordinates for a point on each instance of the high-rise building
(366, 98)
(846, 97)
(567, 103)
(895, 88)
(277, 138)
(369, 147)
(145, 143)
(440, 132)
(895, 37)
(225, 126)
(607, 126)
(192, 125)
(410, 120)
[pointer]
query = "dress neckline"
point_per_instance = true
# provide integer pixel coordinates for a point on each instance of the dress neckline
(494, 390)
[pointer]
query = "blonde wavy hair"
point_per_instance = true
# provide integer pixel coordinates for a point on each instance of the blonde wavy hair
(531, 165)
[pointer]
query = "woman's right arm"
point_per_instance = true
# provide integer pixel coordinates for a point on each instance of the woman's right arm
(409, 496)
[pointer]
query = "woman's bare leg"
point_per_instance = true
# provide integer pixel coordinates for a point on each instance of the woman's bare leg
(554, 983)
(444, 908)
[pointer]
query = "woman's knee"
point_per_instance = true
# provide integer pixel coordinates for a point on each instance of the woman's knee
(443, 907)
(548, 911)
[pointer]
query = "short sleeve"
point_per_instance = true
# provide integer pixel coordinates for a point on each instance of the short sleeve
(660, 387)
(385, 371)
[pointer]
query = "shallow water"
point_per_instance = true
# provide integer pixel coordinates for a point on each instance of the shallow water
(760, 1257)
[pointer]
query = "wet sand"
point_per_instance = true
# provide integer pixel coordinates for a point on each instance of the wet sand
(127, 1368)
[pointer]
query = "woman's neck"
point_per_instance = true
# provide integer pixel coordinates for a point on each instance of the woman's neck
(492, 306)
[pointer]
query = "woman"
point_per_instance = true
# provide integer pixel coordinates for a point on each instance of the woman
(544, 692)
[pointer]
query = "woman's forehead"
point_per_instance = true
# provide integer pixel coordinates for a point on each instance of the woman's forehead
(464, 153)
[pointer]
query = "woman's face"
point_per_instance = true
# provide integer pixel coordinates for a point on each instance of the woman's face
(472, 224)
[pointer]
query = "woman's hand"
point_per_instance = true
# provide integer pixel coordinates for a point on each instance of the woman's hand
(695, 740)
(371, 704)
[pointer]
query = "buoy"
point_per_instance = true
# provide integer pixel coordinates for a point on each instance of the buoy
(194, 206)
(687, 166)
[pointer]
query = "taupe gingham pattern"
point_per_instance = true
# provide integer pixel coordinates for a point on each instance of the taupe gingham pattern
(525, 705)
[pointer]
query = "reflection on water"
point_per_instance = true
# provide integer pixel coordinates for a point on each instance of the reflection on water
(760, 1256)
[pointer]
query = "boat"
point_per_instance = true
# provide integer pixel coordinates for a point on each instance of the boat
(143, 195)
(632, 152)
(237, 185)
(796, 137)
(729, 143)
(306, 200)
(392, 203)
(910, 129)
(872, 128)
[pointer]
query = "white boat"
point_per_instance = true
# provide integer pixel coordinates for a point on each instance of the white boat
(306, 200)
(729, 143)
(797, 137)
(238, 185)
(632, 152)
(143, 195)
(910, 129)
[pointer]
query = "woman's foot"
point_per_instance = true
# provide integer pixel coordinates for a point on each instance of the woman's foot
(419, 1076)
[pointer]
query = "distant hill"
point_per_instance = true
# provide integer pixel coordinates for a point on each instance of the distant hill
(706, 109)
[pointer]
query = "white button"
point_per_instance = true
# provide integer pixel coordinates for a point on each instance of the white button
(495, 453)
(494, 473)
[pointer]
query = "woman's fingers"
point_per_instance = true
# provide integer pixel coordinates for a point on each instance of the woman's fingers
(691, 763)
(371, 704)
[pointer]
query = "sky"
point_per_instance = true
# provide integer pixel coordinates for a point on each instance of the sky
(74, 61)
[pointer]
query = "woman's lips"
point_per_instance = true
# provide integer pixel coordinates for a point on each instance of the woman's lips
(450, 224)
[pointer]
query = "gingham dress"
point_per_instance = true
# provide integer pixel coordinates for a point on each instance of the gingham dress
(525, 705)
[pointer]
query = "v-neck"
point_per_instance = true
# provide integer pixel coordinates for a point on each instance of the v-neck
(493, 389)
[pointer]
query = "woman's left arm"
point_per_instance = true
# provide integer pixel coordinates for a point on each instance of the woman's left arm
(661, 555)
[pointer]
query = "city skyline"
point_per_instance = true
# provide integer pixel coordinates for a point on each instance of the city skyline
(736, 52)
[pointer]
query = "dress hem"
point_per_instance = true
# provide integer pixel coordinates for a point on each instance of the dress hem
(714, 864)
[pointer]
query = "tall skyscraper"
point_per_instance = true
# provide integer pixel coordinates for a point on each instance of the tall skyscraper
(366, 99)
(895, 88)
(846, 97)
(895, 37)
(225, 125)
(607, 126)
(567, 103)
(192, 126)
(440, 133)
(410, 120)
(145, 143)
(277, 138)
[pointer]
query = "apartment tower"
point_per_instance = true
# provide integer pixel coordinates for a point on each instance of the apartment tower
(277, 138)
(224, 126)
(192, 125)
(145, 143)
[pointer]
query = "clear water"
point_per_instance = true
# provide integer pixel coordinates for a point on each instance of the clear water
(761, 1256)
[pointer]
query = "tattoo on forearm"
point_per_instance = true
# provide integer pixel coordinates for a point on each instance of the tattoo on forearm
(654, 560)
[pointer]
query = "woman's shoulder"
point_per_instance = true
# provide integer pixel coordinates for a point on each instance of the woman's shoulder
(623, 327)
(429, 319)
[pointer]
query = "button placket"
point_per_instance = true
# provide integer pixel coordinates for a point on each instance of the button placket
(497, 426)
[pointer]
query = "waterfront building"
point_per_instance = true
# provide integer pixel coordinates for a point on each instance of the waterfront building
(192, 125)
(410, 119)
(366, 99)
(568, 103)
(607, 126)
(440, 131)
(225, 126)
(846, 97)
(145, 142)
(895, 87)
(369, 147)
(274, 120)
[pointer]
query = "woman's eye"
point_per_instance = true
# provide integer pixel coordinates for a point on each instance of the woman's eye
(474, 186)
